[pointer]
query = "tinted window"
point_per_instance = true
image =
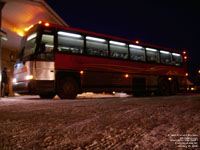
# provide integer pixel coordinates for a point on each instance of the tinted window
(152, 55)
(46, 47)
(165, 57)
(137, 53)
(30, 45)
(70, 42)
(96, 46)
(47, 40)
(118, 50)
(177, 59)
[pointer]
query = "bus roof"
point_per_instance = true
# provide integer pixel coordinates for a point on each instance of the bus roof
(114, 38)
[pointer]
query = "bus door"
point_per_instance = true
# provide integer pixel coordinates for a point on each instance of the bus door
(44, 62)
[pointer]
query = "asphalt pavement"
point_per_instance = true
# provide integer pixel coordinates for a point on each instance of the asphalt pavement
(100, 121)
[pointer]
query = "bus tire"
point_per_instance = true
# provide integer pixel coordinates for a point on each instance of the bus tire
(68, 88)
(174, 88)
(164, 88)
(47, 95)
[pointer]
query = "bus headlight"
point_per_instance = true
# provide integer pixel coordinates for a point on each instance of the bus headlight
(29, 77)
(14, 80)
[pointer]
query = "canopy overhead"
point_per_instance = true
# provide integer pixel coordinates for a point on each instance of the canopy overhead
(20, 14)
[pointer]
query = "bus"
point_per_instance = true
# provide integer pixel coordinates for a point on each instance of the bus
(64, 61)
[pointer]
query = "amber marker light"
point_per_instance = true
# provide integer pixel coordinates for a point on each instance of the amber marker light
(47, 24)
(137, 42)
(170, 79)
(186, 74)
(184, 52)
(126, 75)
(39, 22)
(198, 71)
(28, 28)
(185, 57)
(81, 72)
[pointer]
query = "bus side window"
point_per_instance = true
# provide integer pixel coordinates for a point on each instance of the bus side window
(137, 53)
(46, 47)
(165, 57)
(70, 42)
(152, 55)
(96, 46)
(118, 50)
(176, 59)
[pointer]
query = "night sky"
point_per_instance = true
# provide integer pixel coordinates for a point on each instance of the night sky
(172, 24)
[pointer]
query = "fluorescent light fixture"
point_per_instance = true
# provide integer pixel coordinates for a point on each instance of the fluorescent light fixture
(151, 49)
(135, 46)
(176, 54)
(48, 45)
(164, 52)
(32, 36)
(95, 39)
(65, 47)
(69, 34)
(117, 43)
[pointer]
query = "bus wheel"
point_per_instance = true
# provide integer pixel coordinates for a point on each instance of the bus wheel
(47, 95)
(164, 88)
(68, 88)
(174, 88)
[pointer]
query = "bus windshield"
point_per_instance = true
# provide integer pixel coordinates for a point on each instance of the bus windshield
(30, 45)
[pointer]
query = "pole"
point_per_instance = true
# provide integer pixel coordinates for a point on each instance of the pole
(1, 7)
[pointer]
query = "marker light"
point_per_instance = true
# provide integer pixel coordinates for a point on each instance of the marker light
(117, 43)
(186, 74)
(47, 24)
(69, 34)
(192, 88)
(151, 49)
(14, 80)
(39, 22)
(137, 42)
(95, 39)
(28, 28)
(126, 75)
(199, 71)
(184, 52)
(164, 52)
(81, 72)
(185, 57)
(29, 77)
(176, 54)
(135, 46)
(170, 79)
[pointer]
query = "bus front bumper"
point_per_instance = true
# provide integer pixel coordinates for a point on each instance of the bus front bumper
(33, 87)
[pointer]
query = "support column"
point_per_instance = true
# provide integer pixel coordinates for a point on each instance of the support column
(1, 7)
